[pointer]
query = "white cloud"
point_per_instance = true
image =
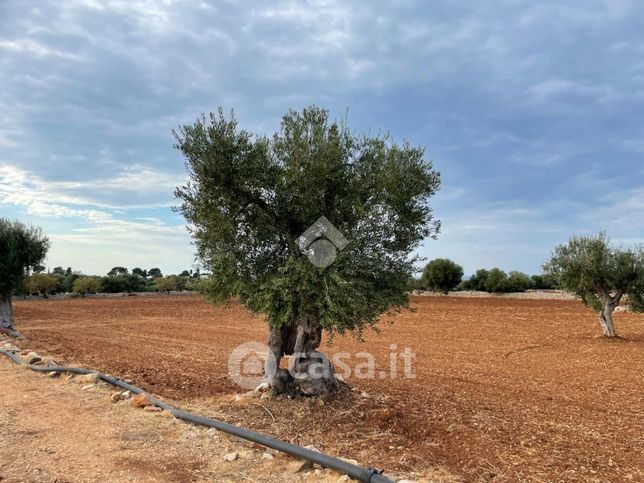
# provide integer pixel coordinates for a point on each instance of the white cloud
(134, 186)
(30, 46)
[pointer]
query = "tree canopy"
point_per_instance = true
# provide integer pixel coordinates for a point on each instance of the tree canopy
(22, 247)
(442, 275)
(249, 198)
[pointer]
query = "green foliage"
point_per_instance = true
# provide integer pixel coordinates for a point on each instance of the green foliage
(42, 284)
(249, 198)
(154, 273)
(140, 272)
(544, 282)
(496, 281)
(519, 282)
(116, 271)
(114, 284)
(166, 284)
(478, 280)
(22, 247)
(415, 284)
(442, 275)
(594, 271)
(84, 285)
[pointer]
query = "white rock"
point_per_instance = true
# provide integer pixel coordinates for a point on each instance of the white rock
(231, 456)
(267, 456)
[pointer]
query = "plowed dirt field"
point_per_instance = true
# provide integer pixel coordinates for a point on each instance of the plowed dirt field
(504, 389)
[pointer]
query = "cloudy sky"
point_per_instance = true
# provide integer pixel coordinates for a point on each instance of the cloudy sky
(532, 111)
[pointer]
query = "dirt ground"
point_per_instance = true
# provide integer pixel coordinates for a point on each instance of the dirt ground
(80, 436)
(504, 389)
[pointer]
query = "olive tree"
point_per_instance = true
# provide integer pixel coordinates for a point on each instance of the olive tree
(41, 284)
(166, 284)
(84, 285)
(442, 275)
(22, 247)
(251, 200)
(600, 275)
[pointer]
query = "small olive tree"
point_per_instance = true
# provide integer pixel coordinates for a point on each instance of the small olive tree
(600, 275)
(442, 275)
(22, 247)
(85, 285)
(250, 199)
(166, 284)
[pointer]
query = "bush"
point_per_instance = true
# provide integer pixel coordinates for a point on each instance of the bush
(519, 282)
(442, 275)
(544, 282)
(497, 281)
(166, 284)
(415, 284)
(41, 284)
(85, 285)
(114, 284)
(478, 280)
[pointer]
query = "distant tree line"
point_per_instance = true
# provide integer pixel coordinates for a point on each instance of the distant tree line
(117, 280)
(444, 275)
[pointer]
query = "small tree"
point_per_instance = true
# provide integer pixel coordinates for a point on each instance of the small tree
(22, 247)
(42, 284)
(519, 282)
(478, 280)
(496, 281)
(543, 282)
(85, 285)
(140, 272)
(600, 275)
(114, 284)
(442, 275)
(166, 284)
(155, 273)
(252, 202)
(117, 271)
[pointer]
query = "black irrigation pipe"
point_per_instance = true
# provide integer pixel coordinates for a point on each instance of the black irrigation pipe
(367, 475)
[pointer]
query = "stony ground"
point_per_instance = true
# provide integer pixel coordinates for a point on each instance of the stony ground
(56, 430)
(504, 389)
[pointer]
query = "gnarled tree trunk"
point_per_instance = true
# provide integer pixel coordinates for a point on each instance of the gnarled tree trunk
(310, 372)
(609, 302)
(606, 319)
(6, 314)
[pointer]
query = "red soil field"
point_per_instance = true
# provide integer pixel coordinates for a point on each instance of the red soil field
(504, 389)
